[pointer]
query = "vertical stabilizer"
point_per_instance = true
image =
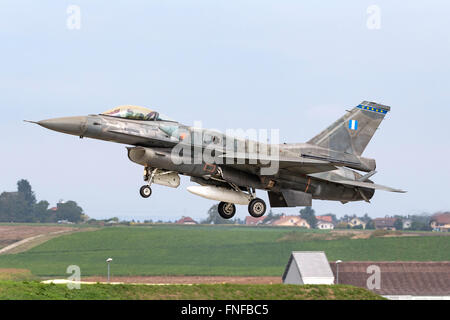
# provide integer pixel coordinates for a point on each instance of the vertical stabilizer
(352, 132)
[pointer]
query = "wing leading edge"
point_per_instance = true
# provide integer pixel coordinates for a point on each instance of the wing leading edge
(368, 185)
(294, 164)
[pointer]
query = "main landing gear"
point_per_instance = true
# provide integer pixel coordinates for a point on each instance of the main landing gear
(257, 207)
(145, 190)
(226, 210)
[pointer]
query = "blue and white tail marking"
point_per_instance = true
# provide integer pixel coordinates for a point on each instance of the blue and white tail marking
(353, 125)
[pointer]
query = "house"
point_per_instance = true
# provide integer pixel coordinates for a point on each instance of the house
(252, 221)
(186, 220)
(355, 222)
(9, 195)
(324, 225)
(407, 223)
(384, 223)
(440, 222)
(293, 221)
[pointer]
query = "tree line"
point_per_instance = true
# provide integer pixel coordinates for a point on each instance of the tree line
(22, 206)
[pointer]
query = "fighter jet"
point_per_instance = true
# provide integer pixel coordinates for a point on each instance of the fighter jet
(228, 169)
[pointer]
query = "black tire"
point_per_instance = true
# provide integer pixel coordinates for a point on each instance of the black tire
(257, 208)
(145, 191)
(227, 210)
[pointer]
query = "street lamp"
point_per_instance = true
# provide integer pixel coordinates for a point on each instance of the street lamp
(337, 271)
(108, 261)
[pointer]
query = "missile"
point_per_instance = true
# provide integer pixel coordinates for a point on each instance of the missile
(220, 194)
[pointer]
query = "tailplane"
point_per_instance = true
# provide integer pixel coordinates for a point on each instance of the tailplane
(352, 132)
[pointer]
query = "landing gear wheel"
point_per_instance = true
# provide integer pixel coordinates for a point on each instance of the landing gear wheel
(227, 210)
(145, 191)
(257, 208)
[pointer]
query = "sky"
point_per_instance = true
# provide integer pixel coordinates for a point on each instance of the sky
(295, 66)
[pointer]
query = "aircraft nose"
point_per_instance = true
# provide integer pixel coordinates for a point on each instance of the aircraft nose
(69, 125)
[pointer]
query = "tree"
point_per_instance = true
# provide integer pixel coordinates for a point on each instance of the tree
(24, 189)
(272, 217)
(14, 208)
(370, 224)
(421, 222)
(308, 214)
(342, 225)
(10, 204)
(69, 211)
(333, 217)
(40, 212)
(398, 224)
(420, 226)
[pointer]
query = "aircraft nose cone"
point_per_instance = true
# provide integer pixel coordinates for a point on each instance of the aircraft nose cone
(69, 125)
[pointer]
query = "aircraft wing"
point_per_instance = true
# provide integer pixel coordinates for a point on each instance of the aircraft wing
(368, 185)
(294, 164)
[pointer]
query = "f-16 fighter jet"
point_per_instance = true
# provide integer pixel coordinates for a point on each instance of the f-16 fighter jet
(228, 169)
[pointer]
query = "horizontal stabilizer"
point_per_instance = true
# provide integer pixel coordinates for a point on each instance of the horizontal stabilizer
(368, 185)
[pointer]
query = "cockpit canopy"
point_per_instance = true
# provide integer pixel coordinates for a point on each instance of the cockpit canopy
(136, 113)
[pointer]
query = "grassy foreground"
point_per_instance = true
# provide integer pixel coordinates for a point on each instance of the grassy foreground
(31, 290)
(209, 250)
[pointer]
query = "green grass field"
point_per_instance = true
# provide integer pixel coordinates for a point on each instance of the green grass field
(34, 290)
(209, 250)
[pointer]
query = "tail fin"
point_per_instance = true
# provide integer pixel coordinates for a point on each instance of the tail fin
(353, 131)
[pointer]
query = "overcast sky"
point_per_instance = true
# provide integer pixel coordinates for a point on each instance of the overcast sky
(289, 65)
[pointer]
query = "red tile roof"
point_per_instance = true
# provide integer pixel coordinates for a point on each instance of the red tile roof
(253, 220)
(186, 220)
(441, 218)
(384, 222)
(295, 220)
(325, 218)
(398, 277)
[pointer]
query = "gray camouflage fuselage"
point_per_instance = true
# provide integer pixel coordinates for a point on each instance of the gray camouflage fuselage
(323, 168)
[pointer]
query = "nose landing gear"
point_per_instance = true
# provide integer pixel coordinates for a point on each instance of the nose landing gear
(145, 190)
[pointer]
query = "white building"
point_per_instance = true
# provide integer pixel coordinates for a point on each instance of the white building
(407, 223)
(308, 267)
(323, 225)
(354, 222)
